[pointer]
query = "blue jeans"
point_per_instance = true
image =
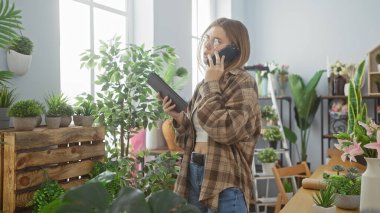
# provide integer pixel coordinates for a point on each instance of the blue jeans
(231, 200)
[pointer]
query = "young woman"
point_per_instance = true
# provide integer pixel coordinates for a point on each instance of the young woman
(219, 131)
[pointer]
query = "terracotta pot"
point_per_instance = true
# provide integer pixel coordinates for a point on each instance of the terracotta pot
(169, 135)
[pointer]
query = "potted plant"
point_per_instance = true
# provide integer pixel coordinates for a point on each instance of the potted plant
(272, 135)
(7, 98)
(269, 115)
(268, 157)
(324, 201)
(86, 108)
(378, 61)
(346, 187)
(125, 102)
(77, 117)
(25, 114)
(288, 188)
(306, 104)
(53, 114)
(19, 55)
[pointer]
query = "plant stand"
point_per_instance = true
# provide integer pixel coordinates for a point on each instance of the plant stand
(65, 154)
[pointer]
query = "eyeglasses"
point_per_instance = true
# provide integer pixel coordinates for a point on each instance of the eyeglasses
(214, 42)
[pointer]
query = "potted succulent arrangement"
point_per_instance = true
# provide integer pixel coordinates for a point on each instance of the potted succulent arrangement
(346, 187)
(19, 55)
(85, 109)
(272, 135)
(324, 201)
(269, 116)
(268, 157)
(25, 114)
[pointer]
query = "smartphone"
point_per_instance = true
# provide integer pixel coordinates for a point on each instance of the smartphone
(230, 53)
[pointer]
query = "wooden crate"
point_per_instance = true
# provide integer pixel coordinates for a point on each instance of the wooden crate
(65, 154)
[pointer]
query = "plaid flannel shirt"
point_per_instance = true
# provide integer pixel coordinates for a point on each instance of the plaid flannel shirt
(229, 112)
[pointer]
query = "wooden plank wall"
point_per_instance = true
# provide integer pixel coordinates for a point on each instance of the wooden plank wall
(65, 154)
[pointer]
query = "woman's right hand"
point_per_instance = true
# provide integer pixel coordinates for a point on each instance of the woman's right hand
(169, 107)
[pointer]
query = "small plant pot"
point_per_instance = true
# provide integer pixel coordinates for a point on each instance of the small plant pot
(53, 122)
(39, 120)
(77, 120)
(4, 119)
(87, 121)
(267, 168)
(347, 201)
(24, 124)
(320, 209)
(65, 121)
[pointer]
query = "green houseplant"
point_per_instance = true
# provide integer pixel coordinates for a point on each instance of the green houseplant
(306, 104)
(272, 135)
(19, 55)
(269, 115)
(53, 114)
(268, 158)
(25, 114)
(85, 108)
(10, 21)
(7, 98)
(125, 102)
(346, 187)
(324, 201)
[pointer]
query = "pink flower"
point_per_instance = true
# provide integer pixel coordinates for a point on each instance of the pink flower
(366, 127)
(375, 145)
(351, 151)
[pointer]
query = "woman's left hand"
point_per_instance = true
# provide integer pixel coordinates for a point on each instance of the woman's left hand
(214, 71)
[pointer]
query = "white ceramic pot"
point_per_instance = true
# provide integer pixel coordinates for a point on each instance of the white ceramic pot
(347, 201)
(320, 209)
(267, 168)
(154, 138)
(18, 63)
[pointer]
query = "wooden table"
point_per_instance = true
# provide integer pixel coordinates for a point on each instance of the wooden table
(302, 201)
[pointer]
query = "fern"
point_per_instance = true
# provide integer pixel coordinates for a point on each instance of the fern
(9, 22)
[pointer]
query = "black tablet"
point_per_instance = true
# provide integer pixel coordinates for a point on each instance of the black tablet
(164, 89)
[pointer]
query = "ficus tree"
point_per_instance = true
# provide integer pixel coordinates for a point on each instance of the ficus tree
(125, 101)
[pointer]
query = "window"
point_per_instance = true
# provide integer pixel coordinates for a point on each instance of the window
(201, 18)
(82, 24)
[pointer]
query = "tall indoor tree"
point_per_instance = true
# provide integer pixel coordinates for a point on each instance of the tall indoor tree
(125, 102)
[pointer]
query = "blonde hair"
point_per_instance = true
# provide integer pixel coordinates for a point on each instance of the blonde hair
(238, 35)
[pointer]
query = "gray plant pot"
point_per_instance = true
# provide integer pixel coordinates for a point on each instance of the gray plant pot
(347, 201)
(65, 121)
(77, 120)
(4, 119)
(87, 121)
(53, 122)
(24, 124)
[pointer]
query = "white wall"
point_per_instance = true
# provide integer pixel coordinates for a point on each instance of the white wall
(302, 33)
